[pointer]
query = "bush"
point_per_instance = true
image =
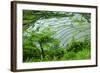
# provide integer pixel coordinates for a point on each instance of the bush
(69, 56)
(33, 53)
(75, 46)
(84, 54)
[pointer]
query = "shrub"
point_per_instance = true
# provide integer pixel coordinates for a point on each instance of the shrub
(69, 56)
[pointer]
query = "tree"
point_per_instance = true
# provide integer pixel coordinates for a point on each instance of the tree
(41, 39)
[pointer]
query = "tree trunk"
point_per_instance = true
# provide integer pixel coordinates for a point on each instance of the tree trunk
(42, 51)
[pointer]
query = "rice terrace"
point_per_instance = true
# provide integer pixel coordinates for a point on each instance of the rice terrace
(56, 36)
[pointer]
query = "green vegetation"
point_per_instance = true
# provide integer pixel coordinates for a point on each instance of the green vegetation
(74, 51)
(41, 45)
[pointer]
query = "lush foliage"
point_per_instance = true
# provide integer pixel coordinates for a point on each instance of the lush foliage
(49, 43)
